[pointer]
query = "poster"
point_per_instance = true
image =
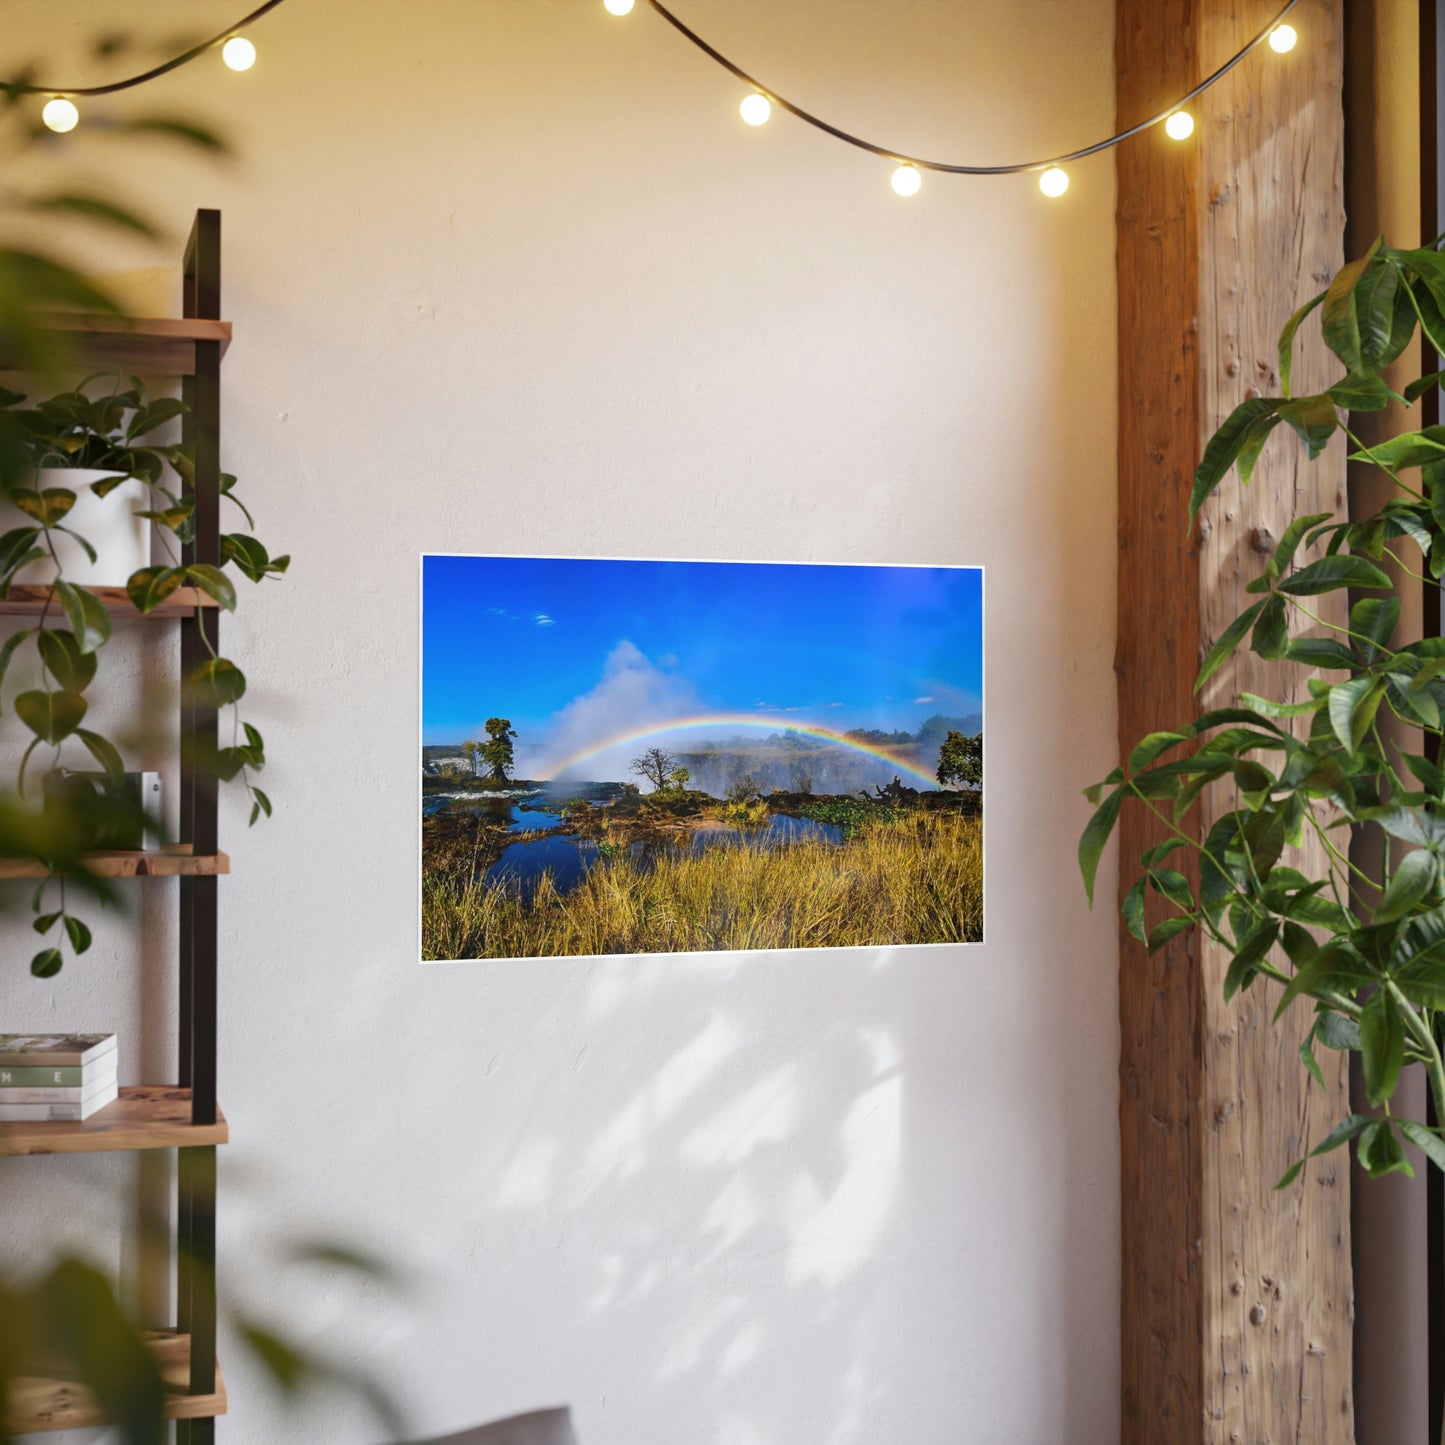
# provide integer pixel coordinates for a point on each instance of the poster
(663, 756)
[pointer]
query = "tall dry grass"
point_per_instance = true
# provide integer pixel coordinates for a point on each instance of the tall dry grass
(918, 880)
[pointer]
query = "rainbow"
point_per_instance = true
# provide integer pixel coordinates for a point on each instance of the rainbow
(745, 720)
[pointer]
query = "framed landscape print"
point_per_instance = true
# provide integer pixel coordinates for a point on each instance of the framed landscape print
(662, 757)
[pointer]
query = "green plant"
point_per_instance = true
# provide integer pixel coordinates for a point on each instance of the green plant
(1375, 972)
(110, 432)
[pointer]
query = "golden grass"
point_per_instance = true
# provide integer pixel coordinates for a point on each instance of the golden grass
(917, 880)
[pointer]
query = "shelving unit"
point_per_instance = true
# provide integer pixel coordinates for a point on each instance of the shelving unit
(183, 1116)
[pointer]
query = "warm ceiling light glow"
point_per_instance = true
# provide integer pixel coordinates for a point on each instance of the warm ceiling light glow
(239, 53)
(1283, 39)
(907, 181)
(60, 114)
(1054, 182)
(618, 7)
(756, 109)
(1179, 126)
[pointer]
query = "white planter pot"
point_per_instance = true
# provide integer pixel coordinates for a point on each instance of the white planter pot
(122, 540)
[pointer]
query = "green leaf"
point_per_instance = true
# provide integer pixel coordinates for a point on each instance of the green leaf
(78, 934)
(89, 621)
(47, 921)
(1361, 393)
(1412, 880)
(1382, 1046)
(46, 963)
(1409, 449)
(1353, 706)
(86, 207)
(1231, 637)
(104, 752)
(1286, 340)
(1427, 1141)
(1431, 776)
(1224, 448)
(1095, 836)
(1374, 619)
(1293, 535)
(51, 716)
(1335, 1031)
(1293, 1172)
(1421, 385)
(1163, 932)
(1374, 300)
(1271, 630)
(1307, 1057)
(1314, 421)
(154, 414)
(1321, 652)
(149, 587)
(1381, 1153)
(214, 583)
(71, 668)
(1331, 573)
(1338, 321)
(216, 682)
(1151, 747)
(1244, 967)
(262, 801)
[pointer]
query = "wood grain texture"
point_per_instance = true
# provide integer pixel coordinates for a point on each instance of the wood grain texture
(1236, 1300)
(146, 1116)
(176, 861)
(51, 1402)
(26, 600)
(149, 346)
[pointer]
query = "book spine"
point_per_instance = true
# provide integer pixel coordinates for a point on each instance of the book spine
(39, 1060)
(50, 1096)
(69, 1077)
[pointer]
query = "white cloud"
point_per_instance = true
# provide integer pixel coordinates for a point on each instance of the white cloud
(928, 698)
(632, 694)
(543, 620)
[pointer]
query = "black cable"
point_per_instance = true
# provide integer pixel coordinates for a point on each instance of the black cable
(175, 63)
(714, 54)
(736, 70)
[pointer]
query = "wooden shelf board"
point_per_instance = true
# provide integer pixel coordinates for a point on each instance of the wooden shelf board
(41, 1402)
(29, 600)
(173, 862)
(150, 345)
(146, 1116)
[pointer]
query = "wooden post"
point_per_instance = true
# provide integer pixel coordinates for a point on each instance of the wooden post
(1236, 1300)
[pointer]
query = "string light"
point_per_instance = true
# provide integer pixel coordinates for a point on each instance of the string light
(1054, 182)
(756, 108)
(60, 114)
(907, 180)
(239, 53)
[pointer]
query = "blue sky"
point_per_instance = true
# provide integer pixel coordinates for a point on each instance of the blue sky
(562, 645)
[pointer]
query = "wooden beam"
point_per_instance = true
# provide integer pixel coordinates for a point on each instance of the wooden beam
(1236, 1300)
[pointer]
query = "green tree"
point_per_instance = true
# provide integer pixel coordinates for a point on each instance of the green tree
(497, 750)
(655, 766)
(960, 761)
(678, 779)
(471, 749)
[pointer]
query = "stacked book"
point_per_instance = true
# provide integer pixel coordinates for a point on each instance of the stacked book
(56, 1077)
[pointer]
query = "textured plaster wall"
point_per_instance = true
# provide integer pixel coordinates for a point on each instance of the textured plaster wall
(510, 275)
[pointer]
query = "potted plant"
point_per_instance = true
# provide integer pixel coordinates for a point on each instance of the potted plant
(70, 438)
(1374, 975)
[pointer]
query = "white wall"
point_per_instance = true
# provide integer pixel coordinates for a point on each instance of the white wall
(509, 275)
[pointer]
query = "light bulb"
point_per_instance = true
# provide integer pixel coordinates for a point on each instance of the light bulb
(618, 7)
(1283, 39)
(239, 53)
(1179, 126)
(907, 181)
(756, 109)
(60, 114)
(1054, 182)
